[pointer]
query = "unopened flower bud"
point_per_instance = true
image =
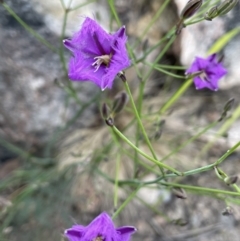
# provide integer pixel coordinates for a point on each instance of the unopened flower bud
(191, 8)
(226, 6)
(122, 76)
(120, 101)
(227, 211)
(107, 115)
(211, 14)
(179, 193)
(231, 180)
(229, 104)
(227, 107)
(105, 111)
(109, 121)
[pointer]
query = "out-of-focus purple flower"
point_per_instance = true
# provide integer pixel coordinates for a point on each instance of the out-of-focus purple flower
(209, 70)
(100, 229)
(97, 55)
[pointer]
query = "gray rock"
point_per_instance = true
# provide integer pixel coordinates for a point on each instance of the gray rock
(32, 106)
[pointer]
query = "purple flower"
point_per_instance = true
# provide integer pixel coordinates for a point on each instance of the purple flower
(209, 70)
(97, 55)
(100, 229)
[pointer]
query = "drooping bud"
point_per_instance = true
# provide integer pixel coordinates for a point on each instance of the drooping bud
(191, 8)
(105, 111)
(109, 121)
(231, 180)
(179, 193)
(120, 101)
(227, 107)
(229, 104)
(188, 11)
(107, 115)
(122, 76)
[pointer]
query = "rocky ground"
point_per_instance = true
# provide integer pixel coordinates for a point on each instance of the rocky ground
(33, 107)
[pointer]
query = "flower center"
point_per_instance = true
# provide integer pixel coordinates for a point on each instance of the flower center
(99, 238)
(204, 76)
(103, 59)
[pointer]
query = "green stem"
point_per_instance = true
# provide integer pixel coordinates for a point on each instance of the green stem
(116, 183)
(29, 29)
(159, 57)
(187, 173)
(165, 71)
(61, 39)
(162, 165)
(165, 38)
(70, 90)
(226, 125)
(155, 17)
(229, 152)
(176, 96)
(236, 187)
(130, 197)
(165, 66)
(202, 189)
(140, 122)
(114, 12)
(81, 5)
(63, 4)
(188, 187)
(189, 141)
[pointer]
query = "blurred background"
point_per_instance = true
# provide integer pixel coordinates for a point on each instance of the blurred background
(54, 145)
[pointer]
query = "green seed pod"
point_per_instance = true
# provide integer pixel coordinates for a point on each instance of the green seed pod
(231, 180)
(211, 14)
(226, 6)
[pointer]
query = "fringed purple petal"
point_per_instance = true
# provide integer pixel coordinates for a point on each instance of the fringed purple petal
(74, 233)
(101, 227)
(126, 232)
(212, 72)
(92, 42)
